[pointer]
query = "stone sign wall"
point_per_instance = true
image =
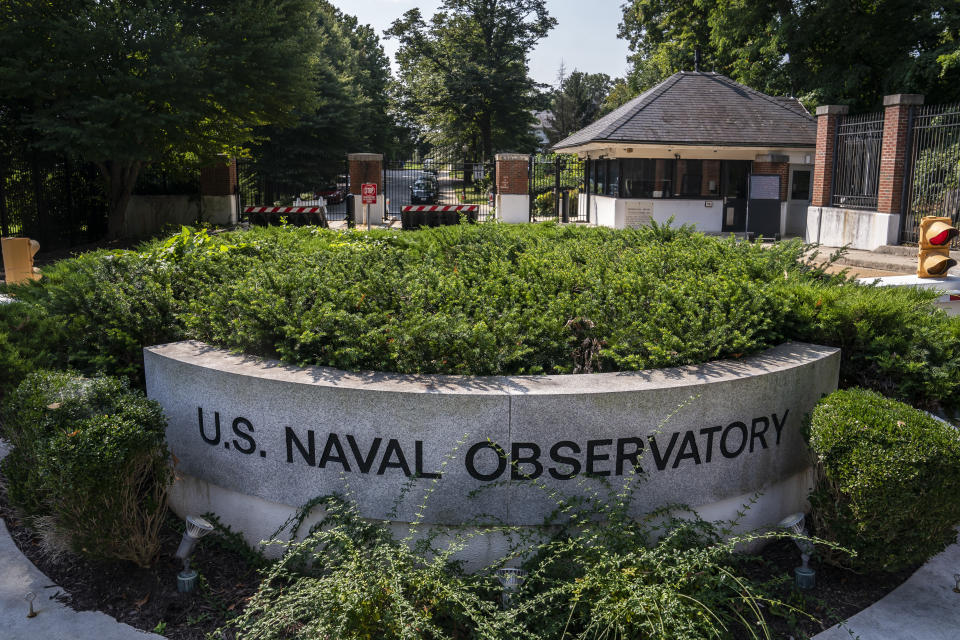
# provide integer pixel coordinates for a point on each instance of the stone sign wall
(283, 435)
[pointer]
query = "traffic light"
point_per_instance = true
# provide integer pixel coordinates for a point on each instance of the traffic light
(933, 259)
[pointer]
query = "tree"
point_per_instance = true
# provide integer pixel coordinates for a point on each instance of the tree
(576, 102)
(824, 51)
(127, 83)
(464, 77)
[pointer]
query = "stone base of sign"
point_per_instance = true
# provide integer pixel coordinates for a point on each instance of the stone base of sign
(259, 520)
(513, 208)
(487, 450)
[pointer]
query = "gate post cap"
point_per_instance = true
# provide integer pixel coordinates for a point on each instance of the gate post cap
(512, 157)
(833, 110)
(903, 98)
(365, 156)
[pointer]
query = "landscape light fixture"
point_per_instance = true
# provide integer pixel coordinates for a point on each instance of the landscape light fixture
(30, 597)
(956, 579)
(806, 577)
(510, 580)
(197, 527)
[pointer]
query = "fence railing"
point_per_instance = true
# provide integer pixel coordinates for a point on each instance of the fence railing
(933, 184)
(856, 172)
(556, 179)
(57, 201)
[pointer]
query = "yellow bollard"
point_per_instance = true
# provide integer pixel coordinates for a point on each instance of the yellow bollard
(18, 259)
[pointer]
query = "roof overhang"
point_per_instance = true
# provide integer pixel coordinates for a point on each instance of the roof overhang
(596, 150)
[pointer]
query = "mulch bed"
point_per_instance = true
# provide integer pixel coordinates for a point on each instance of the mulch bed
(148, 599)
(838, 594)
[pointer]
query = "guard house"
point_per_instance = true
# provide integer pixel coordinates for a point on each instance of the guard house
(704, 150)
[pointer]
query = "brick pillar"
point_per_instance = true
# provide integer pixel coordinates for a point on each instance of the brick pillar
(893, 156)
(219, 179)
(512, 171)
(218, 193)
(827, 118)
(366, 168)
(513, 190)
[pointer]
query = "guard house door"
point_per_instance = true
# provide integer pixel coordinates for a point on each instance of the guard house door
(763, 216)
(734, 182)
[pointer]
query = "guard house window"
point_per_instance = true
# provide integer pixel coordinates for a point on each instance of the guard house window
(689, 178)
(801, 186)
(613, 178)
(600, 181)
(638, 178)
(710, 184)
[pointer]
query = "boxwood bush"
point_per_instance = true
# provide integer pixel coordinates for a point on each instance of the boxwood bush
(477, 299)
(889, 476)
(90, 461)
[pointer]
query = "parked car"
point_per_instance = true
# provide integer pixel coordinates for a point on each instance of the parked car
(332, 193)
(426, 190)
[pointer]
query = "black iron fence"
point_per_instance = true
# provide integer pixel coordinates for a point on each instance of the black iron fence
(856, 170)
(440, 177)
(55, 200)
(932, 187)
(556, 182)
(256, 189)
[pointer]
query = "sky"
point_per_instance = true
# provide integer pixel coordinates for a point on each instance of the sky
(585, 37)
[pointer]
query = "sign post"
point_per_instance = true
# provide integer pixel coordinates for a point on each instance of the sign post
(368, 191)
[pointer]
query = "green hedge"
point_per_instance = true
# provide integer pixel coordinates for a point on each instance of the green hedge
(88, 459)
(476, 299)
(889, 479)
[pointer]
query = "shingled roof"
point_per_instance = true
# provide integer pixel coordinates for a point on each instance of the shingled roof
(697, 108)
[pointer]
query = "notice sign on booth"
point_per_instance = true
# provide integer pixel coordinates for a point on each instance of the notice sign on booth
(368, 192)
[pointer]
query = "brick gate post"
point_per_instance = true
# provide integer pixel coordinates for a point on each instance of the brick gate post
(513, 190)
(367, 167)
(828, 116)
(893, 154)
(218, 193)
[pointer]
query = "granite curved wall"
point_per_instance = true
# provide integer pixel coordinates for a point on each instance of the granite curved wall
(258, 438)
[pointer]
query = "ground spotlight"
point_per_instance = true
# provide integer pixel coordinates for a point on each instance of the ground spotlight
(806, 577)
(197, 527)
(510, 580)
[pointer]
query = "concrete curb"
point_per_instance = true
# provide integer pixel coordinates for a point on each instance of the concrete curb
(924, 607)
(54, 620)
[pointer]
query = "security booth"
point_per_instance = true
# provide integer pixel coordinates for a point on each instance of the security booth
(703, 150)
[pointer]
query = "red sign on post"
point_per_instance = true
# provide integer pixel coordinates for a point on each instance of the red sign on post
(368, 191)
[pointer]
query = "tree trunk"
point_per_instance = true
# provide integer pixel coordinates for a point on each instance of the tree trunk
(119, 179)
(486, 134)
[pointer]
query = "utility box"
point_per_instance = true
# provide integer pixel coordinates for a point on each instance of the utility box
(18, 259)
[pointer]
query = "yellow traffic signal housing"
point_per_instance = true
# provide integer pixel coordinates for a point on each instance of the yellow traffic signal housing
(933, 259)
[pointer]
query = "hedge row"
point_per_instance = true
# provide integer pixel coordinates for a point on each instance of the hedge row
(474, 299)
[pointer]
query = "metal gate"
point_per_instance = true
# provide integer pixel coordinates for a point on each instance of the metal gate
(932, 188)
(441, 176)
(556, 182)
(254, 189)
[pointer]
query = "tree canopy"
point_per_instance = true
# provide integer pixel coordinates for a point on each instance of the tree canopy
(463, 76)
(822, 51)
(349, 110)
(575, 103)
(126, 83)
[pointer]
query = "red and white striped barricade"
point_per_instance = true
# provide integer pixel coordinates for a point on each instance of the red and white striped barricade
(297, 216)
(436, 215)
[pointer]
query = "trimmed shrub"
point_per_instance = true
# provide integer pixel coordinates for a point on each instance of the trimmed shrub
(892, 340)
(479, 300)
(89, 456)
(889, 476)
